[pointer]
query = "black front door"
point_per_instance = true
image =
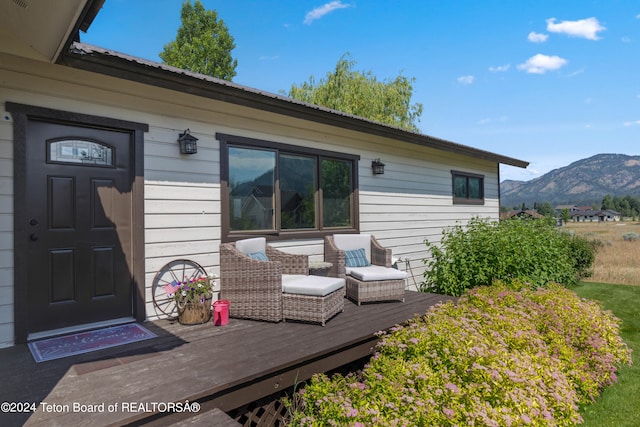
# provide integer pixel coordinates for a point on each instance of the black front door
(79, 218)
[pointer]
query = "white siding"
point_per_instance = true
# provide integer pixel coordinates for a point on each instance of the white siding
(182, 220)
(6, 232)
(409, 203)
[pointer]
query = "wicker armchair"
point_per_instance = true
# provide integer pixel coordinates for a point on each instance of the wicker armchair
(256, 289)
(376, 282)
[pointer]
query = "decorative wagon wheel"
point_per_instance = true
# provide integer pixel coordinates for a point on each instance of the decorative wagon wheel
(174, 272)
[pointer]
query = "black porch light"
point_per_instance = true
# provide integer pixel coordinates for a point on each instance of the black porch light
(188, 143)
(377, 167)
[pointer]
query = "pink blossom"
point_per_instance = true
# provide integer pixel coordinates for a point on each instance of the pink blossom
(448, 412)
(454, 388)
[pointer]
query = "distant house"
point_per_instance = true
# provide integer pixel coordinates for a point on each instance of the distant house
(583, 208)
(527, 213)
(96, 196)
(591, 215)
(569, 208)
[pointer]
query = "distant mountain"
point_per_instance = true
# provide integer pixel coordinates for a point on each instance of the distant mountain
(582, 183)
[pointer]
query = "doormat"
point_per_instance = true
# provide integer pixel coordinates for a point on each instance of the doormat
(85, 342)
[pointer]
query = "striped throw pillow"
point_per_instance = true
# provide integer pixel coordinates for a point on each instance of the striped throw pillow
(356, 258)
(260, 256)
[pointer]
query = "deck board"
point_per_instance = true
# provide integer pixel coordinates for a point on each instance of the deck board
(217, 366)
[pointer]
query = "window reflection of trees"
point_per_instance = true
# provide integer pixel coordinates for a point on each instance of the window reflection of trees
(252, 190)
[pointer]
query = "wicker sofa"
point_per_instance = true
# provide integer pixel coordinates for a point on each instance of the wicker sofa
(376, 281)
(277, 288)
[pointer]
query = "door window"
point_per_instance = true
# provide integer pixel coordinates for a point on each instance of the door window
(80, 151)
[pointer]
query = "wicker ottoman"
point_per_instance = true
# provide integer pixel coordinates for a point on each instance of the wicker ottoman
(377, 290)
(312, 298)
(375, 283)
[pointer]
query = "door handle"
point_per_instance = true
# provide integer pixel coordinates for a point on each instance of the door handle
(34, 237)
(33, 222)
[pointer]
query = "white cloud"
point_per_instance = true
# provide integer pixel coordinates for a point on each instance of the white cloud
(500, 68)
(637, 122)
(488, 120)
(586, 28)
(540, 64)
(625, 39)
(537, 37)
(532, 172)
(576, 72)
(465, 80)
(269, 58)
(321, 11)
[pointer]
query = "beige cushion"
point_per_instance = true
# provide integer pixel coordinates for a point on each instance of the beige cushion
(374, 273)
(310, 285)
(249, 246)
(348, 242)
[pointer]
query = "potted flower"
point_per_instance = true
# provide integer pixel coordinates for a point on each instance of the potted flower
(193, 299)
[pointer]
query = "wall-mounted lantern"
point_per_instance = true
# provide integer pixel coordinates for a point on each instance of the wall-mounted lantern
(188, 143)
(377, 167)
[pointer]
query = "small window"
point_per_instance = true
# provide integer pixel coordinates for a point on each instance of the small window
(468, 188)
(78, 151)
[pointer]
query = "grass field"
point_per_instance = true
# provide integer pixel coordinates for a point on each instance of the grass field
(619, 404)
(617, 266)
(617, 260)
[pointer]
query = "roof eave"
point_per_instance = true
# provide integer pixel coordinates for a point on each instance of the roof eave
(85, 18)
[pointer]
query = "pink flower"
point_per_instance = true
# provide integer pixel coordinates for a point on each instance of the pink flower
(454, 388)
(448, 412)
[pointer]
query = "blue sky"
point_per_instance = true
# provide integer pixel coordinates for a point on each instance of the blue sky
(545, 81)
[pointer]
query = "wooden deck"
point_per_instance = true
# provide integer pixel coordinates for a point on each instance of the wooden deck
(221, 368)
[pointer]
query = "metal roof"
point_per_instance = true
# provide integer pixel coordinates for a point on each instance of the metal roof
(116, 64)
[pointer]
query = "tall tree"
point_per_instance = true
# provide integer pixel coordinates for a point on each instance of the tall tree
(545, 209)
(203, 43)
(362, 94)
(607, 202)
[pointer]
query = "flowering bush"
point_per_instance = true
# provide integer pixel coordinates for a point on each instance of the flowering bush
(499, 357)
(194, 290)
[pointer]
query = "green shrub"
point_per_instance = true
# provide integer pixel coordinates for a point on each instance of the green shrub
(498, 357)
(583, 253)
(483, 251)
(630, 237)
